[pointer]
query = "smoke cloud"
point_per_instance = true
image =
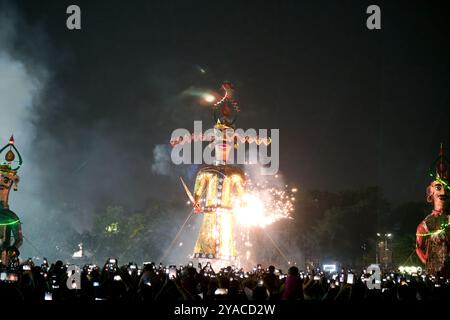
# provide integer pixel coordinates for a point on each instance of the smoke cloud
(21, 87)
(87, 144)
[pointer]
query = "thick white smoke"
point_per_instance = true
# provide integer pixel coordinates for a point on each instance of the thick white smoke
(162, 163)
(161, 160)
(19, 88)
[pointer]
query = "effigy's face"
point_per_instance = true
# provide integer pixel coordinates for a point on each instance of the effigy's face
(438, 194)
(6, 181)
(223, 143)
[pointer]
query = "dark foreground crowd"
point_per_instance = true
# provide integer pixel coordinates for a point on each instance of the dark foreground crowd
(152, 282)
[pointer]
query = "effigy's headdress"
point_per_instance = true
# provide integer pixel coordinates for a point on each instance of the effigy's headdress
(226, 109)
(439, 169)
(8, 169)
(225, 112)
(11, 165)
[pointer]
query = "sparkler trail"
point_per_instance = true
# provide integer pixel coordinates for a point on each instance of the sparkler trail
(176, 237)
(191, 198)
(277, 247)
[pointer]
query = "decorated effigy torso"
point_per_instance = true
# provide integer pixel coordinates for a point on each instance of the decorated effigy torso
(436, 241)
(217, 190)
(9, 223)
(218, 187)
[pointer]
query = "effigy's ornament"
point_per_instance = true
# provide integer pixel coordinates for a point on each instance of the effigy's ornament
(10, 156)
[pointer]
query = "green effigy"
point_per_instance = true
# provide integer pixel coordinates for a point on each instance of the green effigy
(10, 226)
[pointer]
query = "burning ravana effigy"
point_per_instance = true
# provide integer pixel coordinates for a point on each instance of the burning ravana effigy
(223, 193)
(217, 189)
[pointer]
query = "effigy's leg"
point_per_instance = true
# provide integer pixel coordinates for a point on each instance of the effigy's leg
(205, 247)
(226, 231)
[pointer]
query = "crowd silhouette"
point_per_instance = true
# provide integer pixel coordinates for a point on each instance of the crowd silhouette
(153, 282)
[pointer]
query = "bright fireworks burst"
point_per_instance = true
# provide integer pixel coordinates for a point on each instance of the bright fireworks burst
(263, 204)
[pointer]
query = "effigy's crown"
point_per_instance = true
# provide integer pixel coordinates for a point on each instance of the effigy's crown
(226, 109)
(439, 169)
(225, 112)
(10, 165)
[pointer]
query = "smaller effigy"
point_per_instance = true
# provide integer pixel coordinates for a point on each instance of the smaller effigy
(433, 233)
(10, 226)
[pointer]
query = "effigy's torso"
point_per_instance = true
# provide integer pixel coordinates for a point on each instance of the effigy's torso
(437, 241)
(217, 190)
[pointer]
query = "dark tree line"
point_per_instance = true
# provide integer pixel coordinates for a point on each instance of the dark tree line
(326, 226)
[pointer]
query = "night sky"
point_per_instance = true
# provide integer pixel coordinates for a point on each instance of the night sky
(355, 107)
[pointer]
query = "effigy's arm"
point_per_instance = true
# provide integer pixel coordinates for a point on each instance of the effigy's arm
(421, 247)
(199, 187)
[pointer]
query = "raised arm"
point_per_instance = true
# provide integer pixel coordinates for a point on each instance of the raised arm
(200, 184)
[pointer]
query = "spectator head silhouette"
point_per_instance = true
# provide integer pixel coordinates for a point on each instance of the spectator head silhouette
(293, 271)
